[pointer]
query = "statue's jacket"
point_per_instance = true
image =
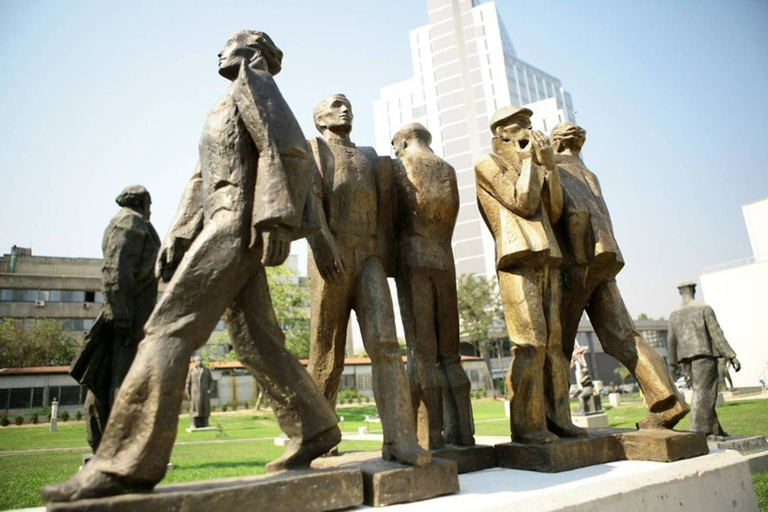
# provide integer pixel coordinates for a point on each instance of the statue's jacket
(511, 201)
(694, 332)
(586, 222)
(254, 161)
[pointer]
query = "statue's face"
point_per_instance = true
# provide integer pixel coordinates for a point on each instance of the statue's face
(512, 137)
(198, 360)
(232, 57)
(147, 210)
(400, 147)
(337, 114)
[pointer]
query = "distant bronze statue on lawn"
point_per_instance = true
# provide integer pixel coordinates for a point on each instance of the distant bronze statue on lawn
(592, 260)
(348, 270)
(519, 194)
(695, 338)
(129, 287)
(199, 382)
(427, 205)
(246, 202)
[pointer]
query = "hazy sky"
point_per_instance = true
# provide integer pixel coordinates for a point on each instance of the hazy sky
(95, 96)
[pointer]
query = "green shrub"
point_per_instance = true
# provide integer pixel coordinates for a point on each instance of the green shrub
(224, 407)
(359, 399)
(213, 408)
(4, 421)
(19, 419)
(34, 419)
(64, 416)
(366, 399)
(78, 415)
(246, 405)
(234, 406)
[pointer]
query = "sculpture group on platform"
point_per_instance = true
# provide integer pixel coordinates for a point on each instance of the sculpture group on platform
(258, 186)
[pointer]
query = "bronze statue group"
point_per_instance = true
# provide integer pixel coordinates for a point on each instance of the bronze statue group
(258, 186)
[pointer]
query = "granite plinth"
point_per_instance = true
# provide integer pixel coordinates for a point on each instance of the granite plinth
(468, 458)
(201, 429)
(288, 491)
(602, 446)
(745, 445)
(386, 483)
(597, 420)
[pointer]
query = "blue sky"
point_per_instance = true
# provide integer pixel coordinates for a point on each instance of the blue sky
(95, 96)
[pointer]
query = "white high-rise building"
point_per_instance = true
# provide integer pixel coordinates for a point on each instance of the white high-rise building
(464, 69)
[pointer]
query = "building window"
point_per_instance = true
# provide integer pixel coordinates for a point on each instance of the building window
(6, 295)
(364, 381)
(55, 296)
(90, 297)
(72, 296)
(420, 111)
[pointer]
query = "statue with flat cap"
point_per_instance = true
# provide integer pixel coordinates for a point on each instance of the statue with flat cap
(129, 286)
(696, 339)
(520, 198)
(591, 261)
(247, 200)
(427, 205)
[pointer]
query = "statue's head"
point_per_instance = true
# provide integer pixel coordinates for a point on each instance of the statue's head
(198, 360)
(511, 129)
(410, 136)
(333, 113)
(137, 198)
(254, 48)
(687, 289)
(568, 138)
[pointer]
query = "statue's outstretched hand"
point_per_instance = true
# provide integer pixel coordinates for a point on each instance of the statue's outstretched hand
(736, 364)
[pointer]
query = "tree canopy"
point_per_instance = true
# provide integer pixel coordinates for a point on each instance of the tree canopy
(36, 343)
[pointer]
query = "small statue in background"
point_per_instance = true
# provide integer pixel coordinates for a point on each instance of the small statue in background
(199, 382)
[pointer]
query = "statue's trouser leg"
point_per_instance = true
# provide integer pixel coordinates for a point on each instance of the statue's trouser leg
(301, 410)
(373, 305)
(329, 315)
(522, 295)
(617, 334)
(417, 304)
(458, 422)
(556, 366)
(139, 437)
(96, 416)
(703, 415)
(122, 358)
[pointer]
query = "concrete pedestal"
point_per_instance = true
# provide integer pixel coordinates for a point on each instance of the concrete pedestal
(306, 490)
(201, 429)
(599, 420)
(614, 399)
(386, 483)
(468, 458)
(714, 482)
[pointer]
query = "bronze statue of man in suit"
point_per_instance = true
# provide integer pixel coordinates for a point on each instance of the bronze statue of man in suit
(248, 199)
(519, 194)
(592, 259)
(426, 208)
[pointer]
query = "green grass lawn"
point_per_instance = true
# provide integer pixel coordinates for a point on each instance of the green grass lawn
(23, 475)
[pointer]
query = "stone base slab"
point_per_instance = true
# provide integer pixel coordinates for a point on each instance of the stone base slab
(758, 462)
(601, 446)
(468, 458)
(714, 482)
(288, 491)
(201, 429)
(599, 420)
(386, 483)
(742, 444)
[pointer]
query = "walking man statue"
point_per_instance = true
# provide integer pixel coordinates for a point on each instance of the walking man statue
(242, 208)
(199, 382)
(129, 287)
(695, 338)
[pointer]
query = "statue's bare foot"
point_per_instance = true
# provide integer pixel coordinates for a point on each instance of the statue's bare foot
(300, 454)
(90, 483)
(406, 453)
(667, 418)
(563, 429)
(540, 437)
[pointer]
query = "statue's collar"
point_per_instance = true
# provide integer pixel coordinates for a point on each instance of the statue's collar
(341, 142)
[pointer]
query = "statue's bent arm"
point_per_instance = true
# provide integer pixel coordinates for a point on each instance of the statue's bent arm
(121, 259)
(522, 195)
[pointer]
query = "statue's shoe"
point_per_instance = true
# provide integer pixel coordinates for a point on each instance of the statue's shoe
(667, 418)
(564, 429)
(90, 483)
(540, 437)
(300, 454)
(409, 453)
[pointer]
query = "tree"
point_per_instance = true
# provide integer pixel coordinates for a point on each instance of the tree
(290, 298)
(642, 316)
(623, 373)
(37, 343)
(479, 306)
